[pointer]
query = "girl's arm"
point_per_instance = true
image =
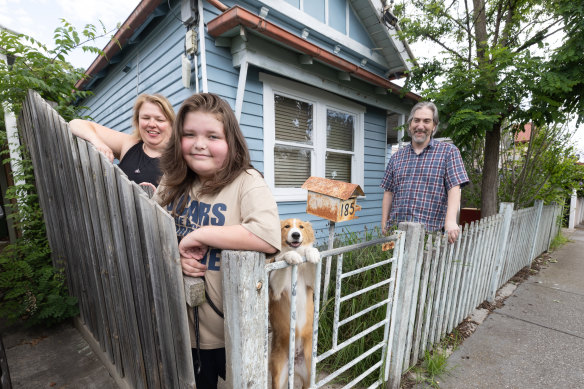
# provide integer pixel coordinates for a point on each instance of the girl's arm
(234, 237)
(110, 142)
(194, 245)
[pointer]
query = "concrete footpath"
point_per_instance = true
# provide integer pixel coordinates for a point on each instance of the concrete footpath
(54, 358)
(536, 339)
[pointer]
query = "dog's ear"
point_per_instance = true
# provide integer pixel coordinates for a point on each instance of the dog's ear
(308, 230)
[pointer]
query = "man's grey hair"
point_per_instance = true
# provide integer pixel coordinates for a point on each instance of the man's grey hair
(425, 104)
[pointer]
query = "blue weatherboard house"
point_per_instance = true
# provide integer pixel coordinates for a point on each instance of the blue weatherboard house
(309, 81)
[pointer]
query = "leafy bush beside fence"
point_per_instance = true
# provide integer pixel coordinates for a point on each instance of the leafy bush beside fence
(31, 288)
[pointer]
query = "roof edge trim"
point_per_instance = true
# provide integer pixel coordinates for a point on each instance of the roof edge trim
(236, 15)
(124, 33)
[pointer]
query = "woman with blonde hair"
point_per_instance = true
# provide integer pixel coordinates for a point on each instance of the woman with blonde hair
(139, 152)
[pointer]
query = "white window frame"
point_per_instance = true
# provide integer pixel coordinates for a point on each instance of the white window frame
(320, 100)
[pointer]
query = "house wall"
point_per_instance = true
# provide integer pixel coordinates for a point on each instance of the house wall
(155, 67)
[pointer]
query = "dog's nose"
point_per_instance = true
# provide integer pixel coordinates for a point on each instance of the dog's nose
(296, 235)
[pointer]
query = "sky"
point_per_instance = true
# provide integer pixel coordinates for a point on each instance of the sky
(39, 18)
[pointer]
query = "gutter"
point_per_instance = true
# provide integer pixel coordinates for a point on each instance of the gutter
(236, 16)
(115, 45)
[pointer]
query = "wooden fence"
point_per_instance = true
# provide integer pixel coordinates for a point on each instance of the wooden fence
(119, 251)
(120, 255)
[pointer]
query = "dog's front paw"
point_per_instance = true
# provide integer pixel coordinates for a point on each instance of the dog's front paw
(312, 255)
(292, 258)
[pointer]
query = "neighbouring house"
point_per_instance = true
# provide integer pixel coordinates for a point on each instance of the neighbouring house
(309, 81)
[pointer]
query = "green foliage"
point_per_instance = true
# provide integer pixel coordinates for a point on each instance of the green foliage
(544, 168)
(435, 363)
(558, 241)
(562, 82)
(34, 66)
(31, 289)
(511, 75)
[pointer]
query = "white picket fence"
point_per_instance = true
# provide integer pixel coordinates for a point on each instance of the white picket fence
(445, 282)
(436, 288)
(576, 211)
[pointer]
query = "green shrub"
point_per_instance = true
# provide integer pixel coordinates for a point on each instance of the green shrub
(31, 288)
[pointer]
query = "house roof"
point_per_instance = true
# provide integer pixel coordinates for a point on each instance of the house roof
(524, 135)
(384, 39)
(236, 15)
(141, 14)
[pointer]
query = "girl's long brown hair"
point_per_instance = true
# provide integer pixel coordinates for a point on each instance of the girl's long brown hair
(178, 177)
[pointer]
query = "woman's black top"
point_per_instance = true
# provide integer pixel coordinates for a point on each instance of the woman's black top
(139, 167)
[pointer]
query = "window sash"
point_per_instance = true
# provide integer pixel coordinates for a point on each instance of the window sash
(340, 130)
(293, 120)
(292, 166)
(315, 164)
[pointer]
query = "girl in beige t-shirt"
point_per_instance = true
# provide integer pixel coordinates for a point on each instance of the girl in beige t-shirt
(218, 201)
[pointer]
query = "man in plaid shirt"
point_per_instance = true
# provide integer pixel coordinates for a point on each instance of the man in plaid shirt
(422, 181)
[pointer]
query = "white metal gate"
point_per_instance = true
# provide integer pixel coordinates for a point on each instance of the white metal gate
(393, 264)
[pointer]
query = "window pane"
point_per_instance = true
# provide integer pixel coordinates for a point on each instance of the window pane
(315, 8)
(338, 167)
(292, 166)
(293, 120)
(340, 129)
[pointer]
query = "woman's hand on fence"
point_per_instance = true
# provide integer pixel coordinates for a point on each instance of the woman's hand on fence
(105, 150)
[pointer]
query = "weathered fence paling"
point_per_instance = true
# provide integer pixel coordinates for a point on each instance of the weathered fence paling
(119, 252)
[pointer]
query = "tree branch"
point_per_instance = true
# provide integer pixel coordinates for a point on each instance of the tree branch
(538, 37)
(452, 51)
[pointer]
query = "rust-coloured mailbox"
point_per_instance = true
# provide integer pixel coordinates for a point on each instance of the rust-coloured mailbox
(331, 199)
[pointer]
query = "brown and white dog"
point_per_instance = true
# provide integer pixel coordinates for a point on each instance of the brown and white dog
(297, 241)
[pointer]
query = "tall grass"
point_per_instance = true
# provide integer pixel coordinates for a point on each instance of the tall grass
(559, 240)
(351, 261)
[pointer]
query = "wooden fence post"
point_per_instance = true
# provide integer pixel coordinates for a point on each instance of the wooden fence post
(538, 211)
(413, 239)
(245, 290)
(506, 209)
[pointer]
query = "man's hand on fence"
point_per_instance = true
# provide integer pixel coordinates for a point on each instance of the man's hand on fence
(452, 230)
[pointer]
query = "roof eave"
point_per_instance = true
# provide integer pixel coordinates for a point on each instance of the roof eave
(237, 15)
(115, 45)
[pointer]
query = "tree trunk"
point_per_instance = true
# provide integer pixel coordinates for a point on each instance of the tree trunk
(490, 182)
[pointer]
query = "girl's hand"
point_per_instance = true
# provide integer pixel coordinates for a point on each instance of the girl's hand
(191, 252)
(192, 267)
